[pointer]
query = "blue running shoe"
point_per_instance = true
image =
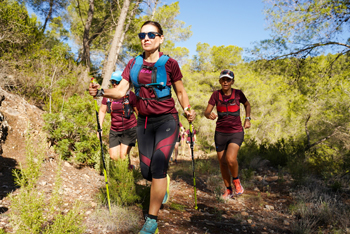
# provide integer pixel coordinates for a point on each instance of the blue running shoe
(167, 195)
(150, 227)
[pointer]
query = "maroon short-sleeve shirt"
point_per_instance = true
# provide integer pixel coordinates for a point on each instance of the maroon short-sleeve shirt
(228, 123)
(154, 107)
(118, 122)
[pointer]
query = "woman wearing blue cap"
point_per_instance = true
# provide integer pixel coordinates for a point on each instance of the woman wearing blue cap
(122, 135)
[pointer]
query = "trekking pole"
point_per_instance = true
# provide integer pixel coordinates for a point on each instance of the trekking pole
(99, 129)
(193, 166)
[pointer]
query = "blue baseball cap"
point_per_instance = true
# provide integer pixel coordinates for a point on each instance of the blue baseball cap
(117, 76)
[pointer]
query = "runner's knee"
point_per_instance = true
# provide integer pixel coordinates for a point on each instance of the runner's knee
(146, 172)
(113, 154)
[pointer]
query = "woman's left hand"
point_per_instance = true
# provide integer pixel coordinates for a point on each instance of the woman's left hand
(247, 123)
(190, 115)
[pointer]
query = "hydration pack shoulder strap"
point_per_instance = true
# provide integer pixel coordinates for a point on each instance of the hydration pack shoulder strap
(158, 80)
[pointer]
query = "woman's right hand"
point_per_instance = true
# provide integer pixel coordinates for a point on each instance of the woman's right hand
(93, 89)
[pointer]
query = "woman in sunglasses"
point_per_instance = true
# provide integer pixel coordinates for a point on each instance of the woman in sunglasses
(122, 135)
(229, 133)
(152, 74)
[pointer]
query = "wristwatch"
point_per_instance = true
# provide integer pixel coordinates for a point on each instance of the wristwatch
(248, 118)
(100, 93)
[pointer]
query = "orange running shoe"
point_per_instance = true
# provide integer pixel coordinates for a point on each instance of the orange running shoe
(238, 187)
(227, 195)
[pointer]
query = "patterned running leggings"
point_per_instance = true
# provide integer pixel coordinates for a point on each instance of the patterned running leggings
(156, 138)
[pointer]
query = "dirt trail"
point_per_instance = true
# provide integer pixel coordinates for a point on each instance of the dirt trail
(256, 211)
(261, 209)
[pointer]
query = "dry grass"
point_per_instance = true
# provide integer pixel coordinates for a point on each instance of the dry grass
(317, 206)
(119, 220)
(215, 184)
(255, 201)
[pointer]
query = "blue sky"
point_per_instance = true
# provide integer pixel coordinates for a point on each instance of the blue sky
(223, 22)
(220, 22)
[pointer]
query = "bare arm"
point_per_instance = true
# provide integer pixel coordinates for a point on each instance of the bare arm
(247, 123)
(183, 99)
(115, 93)
(135, 111)
(182, 129)
(101, 116)
(209, 114)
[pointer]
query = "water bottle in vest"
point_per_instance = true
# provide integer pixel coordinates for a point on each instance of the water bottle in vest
(109, 106)
(126, 108)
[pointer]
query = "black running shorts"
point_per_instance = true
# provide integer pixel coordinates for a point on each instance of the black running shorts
(156, 139)
(126, 137)
(222, 140)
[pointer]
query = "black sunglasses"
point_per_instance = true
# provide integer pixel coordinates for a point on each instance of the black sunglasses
(151, 35)
(115, 82)
(226, 79)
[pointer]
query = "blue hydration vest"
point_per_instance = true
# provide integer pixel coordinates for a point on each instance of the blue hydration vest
(159, 78)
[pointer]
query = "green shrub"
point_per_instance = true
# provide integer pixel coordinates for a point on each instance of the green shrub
(278, 153)
(206, 165)
(68, 223)
(20, 32)
(73, 133)
(298, 169)
(27, 207)
(27, 210)
(122, 188)
(30, 208)
(247, 173)
(177, 206)
(248, 152)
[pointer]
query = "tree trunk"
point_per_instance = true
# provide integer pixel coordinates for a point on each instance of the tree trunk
(112, 56)
(154, 9)
(49, 14)
(86, 42)
(119, 46)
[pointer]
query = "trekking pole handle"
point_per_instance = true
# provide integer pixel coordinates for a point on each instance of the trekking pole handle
(186, 109)
(93, 80)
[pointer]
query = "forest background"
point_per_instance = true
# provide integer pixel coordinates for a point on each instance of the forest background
(297, 81)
